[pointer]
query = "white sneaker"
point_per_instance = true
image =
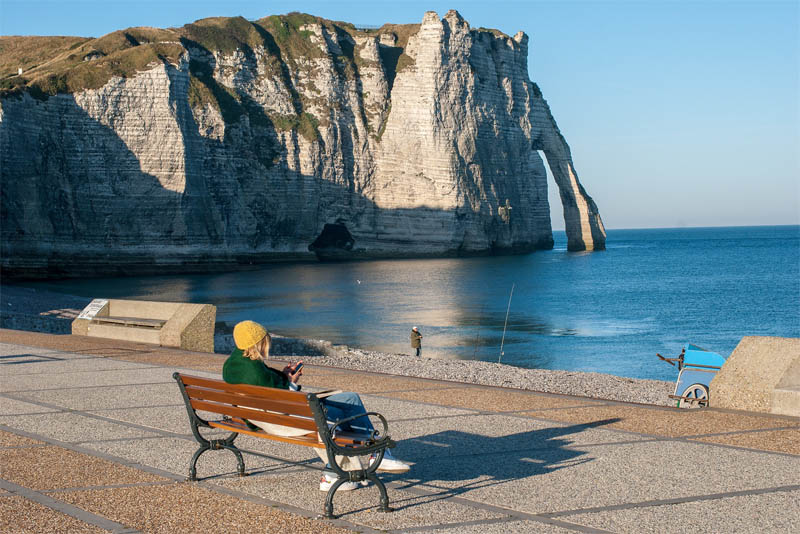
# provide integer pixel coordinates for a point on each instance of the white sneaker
(390, 464)
(327, 480)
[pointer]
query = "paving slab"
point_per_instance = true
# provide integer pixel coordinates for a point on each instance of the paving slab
(503, 527)
(188, 507)
(108, 377)
(19, 515)
(556, 464)
(24, 363)
(397, 410)
(72, 427)
(670, 422)
(16, 350)
(492, 399)
(171, 418)
(554, 480)
(202, 362)
(786, 441)
(15, 407)
(360, 506)
(469, 435)
(46, 468)
(85, 398)
(9, 439)
(745, 514)
(369, 382)
(174, 454)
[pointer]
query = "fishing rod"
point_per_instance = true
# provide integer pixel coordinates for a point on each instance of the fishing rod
(506, 323)
(478, 335)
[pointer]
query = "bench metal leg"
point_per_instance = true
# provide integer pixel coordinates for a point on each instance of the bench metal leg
(329, 498)
(384, 495)
(193, 464)
(216, 444)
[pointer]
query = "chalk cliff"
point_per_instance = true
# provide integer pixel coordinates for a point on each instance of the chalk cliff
(231, 142)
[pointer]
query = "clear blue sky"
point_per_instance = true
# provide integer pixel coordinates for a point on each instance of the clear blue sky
(678, 113)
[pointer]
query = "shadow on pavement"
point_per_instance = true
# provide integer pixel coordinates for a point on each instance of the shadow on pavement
(478, 461)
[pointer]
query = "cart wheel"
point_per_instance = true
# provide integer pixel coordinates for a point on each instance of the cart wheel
(695, 391)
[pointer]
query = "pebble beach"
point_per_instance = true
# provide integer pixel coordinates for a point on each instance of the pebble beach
(23, 308)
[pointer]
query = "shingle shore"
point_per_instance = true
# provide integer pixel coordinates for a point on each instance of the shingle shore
(28, 309)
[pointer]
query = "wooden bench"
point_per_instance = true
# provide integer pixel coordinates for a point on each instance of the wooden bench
(239, 403)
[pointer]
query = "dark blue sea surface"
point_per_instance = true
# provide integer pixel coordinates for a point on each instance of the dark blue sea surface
(650, 291)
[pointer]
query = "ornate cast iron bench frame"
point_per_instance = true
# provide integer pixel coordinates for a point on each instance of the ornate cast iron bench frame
(237, 402)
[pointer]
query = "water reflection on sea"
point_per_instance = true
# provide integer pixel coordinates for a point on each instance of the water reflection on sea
(611, 311)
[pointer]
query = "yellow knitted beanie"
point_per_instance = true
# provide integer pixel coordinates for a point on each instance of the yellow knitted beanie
(248, 333)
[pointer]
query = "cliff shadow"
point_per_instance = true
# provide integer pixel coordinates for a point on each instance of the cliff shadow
(76, 183)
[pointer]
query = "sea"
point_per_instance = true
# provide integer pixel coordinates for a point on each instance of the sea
(651, 291)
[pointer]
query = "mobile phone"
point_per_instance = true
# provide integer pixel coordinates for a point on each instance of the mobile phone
(298, 367)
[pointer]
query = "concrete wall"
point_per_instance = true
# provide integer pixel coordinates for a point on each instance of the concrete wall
(762, 375)
(187, 326)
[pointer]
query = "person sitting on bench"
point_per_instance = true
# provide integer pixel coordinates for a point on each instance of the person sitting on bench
(247, 365)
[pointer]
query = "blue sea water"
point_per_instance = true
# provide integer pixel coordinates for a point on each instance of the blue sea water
(610, 312)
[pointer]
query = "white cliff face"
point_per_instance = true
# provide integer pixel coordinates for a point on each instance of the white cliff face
(366, 145)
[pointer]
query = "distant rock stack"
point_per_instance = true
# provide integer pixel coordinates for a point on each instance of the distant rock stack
(234, 142)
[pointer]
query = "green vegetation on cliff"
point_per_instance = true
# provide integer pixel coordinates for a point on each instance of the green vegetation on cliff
(283, 45)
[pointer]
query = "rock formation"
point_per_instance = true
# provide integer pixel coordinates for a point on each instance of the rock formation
(234, 142)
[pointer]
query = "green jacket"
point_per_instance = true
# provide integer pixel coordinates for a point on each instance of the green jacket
(239, 369)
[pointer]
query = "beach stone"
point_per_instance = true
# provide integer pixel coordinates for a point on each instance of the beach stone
(761, 375)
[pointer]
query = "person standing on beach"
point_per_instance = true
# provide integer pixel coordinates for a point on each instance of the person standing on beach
(416, 340)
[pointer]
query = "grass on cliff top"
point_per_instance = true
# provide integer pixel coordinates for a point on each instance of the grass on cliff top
(31, 51)
(70, 64)
(53, 65)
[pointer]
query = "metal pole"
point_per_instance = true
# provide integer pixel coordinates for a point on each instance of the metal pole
(502, 342)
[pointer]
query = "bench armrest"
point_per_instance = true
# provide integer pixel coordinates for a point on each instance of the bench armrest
(379, 438)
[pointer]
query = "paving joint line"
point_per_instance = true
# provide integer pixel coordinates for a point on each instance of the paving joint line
(70, 388)
(539, 518)
(142, 368)
(675, 500)
(734, 432)
(66, 508)
(90, 415)
(656, 437)
(108, 486)
(181, 405)
(308, 514)
(450, 526)
(97, 454)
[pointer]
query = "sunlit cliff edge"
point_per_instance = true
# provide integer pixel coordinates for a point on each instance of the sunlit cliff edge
(229, 142)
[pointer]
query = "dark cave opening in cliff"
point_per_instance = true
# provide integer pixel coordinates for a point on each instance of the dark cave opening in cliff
(334, 242)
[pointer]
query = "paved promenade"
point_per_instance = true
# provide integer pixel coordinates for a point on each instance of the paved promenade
(94, 438)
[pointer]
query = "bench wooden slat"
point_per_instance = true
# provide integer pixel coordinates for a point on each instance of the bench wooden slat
(290, 408)
(255, 415)
(343, 439)
(235, 426)
(131, 321)
(255, 391)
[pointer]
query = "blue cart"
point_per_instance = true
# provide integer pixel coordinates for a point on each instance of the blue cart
(696, 367)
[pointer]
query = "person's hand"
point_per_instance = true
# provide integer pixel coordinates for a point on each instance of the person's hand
(292, 372)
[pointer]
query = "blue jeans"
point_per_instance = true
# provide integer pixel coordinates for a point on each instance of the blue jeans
(344, 405)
